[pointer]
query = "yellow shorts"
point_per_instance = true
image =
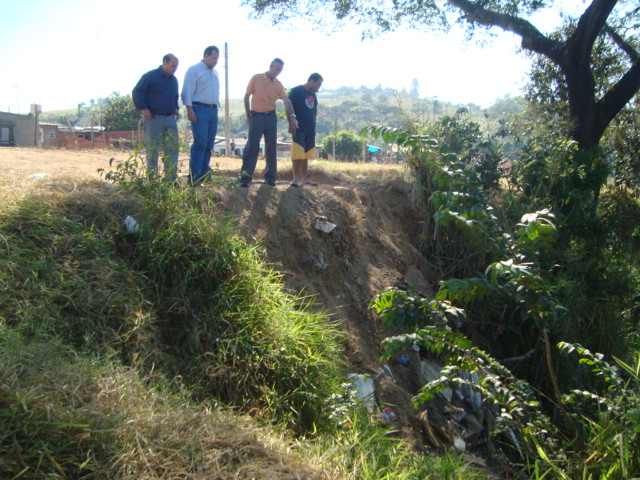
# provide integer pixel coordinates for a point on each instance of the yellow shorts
(298, 153)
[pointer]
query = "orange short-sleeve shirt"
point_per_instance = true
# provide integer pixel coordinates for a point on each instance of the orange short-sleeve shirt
(264, 92)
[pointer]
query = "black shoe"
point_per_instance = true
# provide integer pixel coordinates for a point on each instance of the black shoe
(269, 182)
(244, 185)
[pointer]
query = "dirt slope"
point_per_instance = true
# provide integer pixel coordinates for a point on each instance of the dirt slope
(372, 246)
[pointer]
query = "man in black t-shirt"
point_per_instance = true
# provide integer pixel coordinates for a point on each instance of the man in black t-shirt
(305, 110)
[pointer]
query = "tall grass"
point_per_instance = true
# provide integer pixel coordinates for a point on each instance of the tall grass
(122, 353)
(363, 450)
(223, 317)
(63, 278)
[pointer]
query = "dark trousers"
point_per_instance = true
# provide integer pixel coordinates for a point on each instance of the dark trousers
(266, 125)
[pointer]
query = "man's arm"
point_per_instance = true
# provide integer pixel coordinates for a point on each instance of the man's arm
(315, 110)
(188, 87)
(293, 121)
(177, 100)
(139, 95)
(247, 108)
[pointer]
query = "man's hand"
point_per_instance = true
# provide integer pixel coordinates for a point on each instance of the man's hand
(146, 114)
(293, 124)
(191, 115)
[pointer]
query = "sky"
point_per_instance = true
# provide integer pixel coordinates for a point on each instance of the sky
(59, 54)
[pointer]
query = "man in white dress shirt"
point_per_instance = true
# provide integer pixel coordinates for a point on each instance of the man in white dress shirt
(201, 96)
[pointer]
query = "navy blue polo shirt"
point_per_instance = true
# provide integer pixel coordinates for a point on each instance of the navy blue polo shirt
(157, 92)
(305, 106)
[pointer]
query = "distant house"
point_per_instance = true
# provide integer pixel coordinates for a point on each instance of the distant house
(20, 130)
(95, 137)
(25, 131)
(48, 135)
(17, 130)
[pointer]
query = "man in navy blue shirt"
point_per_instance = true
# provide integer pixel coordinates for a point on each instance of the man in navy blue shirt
(156, 96)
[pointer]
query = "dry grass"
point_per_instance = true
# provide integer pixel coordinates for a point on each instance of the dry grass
(126, 429)
(168, 441)
(30, 170)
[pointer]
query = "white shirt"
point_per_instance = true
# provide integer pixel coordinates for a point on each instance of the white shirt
(201, 84)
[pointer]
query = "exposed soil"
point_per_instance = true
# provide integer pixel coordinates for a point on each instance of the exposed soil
(372, 246)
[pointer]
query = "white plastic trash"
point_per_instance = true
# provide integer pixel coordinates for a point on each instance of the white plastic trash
(386, 370)
(130, 224)
(460, 444)
(364, 388)
(326, 227)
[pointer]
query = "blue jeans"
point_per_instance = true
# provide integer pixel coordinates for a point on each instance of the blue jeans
(161, 133)
(204, 136)
(267, 125)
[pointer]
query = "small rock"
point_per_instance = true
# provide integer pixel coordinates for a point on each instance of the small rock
(321, 264)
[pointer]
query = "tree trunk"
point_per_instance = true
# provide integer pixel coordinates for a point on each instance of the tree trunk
(581, 88)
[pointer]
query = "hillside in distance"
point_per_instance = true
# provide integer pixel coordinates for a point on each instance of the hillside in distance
(345, 108)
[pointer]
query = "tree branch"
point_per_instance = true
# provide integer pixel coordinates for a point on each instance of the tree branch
(521, 358)
(532, 38)
(619, 95)
(590, 24)
(625, 46)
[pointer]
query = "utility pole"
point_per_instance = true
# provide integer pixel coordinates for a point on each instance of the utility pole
(36, 110)
(227, 127)
(92, 136)
(335, 135)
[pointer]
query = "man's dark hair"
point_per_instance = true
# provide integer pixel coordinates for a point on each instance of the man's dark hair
(168, 57)
(277, 60)
(211, 48)
(315, 77)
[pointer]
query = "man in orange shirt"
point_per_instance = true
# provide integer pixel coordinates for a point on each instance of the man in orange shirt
(264, 90)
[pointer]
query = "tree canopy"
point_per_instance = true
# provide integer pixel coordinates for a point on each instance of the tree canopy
(571, 49)
(120, 113)
(347, 144)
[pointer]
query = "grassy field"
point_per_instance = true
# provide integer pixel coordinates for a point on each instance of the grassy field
(172, 352)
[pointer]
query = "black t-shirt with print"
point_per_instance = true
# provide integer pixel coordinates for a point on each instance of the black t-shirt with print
(305, 105)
